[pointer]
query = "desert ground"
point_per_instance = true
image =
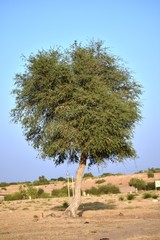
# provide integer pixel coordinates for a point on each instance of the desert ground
(105, 217)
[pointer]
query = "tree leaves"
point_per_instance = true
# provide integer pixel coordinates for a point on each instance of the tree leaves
(81, 100)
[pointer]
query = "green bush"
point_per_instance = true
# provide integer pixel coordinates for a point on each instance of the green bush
(100, 181)
(147, 195)
(63, 192)
(4, 184)
(130, 196)
(41, 181)
(140, 184)
(155, 196)
(88, 175)
(109, 188)
(150, 174)
(14, 196)
(26, 193)
(61, 179)
(150, 186)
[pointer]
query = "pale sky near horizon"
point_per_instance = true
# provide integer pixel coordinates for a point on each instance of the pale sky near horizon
(130, 28)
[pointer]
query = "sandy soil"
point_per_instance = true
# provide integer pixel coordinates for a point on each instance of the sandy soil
(100, 218)
(104, 217)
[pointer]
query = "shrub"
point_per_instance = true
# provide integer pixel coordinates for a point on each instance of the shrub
(93, 191)
(4, 184)
(61, 179)
(26, 193)
(147, 195)
(41, 181)
(88, 175)
(150, 174)
(32, 192)
(150, 186)
(109, 188)
(100, 181)
(40, 191)
(14, 196)
(154, 196)
(130, 196)
(121, 198)
(140, 184)
(63, 192)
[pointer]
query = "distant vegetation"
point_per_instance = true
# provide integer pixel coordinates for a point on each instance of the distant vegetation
(26, 193)
(110, 174)
(109, 188)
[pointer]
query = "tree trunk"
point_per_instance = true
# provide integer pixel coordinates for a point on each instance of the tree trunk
(73, 207)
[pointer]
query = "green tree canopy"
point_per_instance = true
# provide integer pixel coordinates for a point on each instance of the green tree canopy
(80, 100)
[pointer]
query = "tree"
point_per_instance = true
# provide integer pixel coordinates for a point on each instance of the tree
(79, 105)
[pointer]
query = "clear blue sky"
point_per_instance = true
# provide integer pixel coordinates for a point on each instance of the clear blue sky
(131, 28)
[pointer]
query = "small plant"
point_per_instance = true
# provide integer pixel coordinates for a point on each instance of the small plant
(154, 196)
(150, 174)
(147, 195)
(100, 181)
(130, 196)
(121, 198)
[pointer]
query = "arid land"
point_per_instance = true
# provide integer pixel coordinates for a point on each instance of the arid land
(104, 217)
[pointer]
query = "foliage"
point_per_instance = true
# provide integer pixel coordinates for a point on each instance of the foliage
(80, 100)
(41, 181)
(130, 196)
(63, 192)
(25, 193)
(140, 184)
(150, 186)
(154, 170)
(88, 175)
(150, 195)
(147, 195)
(4, 184)
(100, 181)
(110, 174)
(155, 196)
(150, 174)
(109, 188)
(61, 179)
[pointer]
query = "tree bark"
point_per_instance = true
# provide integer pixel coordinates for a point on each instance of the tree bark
(73, 207)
